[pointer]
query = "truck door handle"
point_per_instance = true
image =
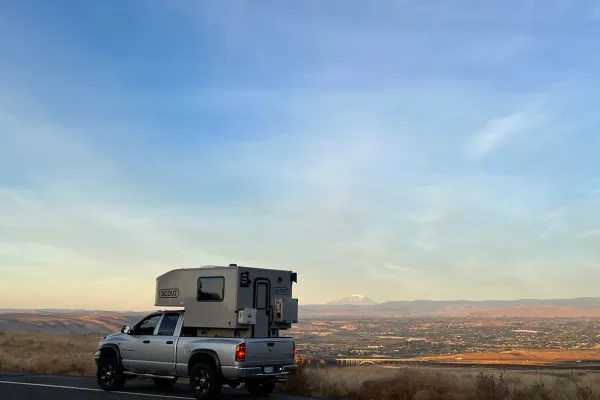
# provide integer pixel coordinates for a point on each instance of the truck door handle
(169, 342)
(146, 341)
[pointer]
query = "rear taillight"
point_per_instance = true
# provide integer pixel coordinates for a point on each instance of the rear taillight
(294, 349)
(240, 352)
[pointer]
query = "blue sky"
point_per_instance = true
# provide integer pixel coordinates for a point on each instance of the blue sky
(397, 149)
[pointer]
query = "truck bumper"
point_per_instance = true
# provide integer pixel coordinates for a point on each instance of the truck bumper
(259, 372)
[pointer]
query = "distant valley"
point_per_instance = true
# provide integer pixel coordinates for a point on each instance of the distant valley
(584, 307)
(358, 306)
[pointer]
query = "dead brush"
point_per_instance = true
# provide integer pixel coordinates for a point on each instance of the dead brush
(63, 354)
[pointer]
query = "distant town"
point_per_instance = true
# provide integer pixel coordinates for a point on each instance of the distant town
(407, 338)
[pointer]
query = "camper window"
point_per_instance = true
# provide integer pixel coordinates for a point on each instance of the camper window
(211, 288)
(262, 295)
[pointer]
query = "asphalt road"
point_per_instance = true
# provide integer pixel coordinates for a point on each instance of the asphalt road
(15, 386)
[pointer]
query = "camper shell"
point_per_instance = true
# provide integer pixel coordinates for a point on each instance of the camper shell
(231, 301)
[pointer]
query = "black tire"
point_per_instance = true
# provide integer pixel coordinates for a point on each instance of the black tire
(234, 383)
(109, 374)
(164, 383)
(260, 388)
(205, 381)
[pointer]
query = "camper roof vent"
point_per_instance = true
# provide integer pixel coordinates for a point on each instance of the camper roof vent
(233, 265)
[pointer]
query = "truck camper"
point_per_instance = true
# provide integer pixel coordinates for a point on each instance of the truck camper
(225, 327)
(231, 301)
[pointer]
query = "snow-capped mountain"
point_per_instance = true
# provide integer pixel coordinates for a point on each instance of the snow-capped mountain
(353, 299)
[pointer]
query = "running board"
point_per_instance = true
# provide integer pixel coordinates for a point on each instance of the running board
(279, 379)
(149, 375)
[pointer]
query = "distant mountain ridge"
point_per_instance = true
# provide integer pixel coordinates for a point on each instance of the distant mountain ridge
(582, 307)
(353, 299)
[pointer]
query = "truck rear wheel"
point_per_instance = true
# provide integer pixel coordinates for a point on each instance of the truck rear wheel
(109, 374)
(205, 382)
(260, 388)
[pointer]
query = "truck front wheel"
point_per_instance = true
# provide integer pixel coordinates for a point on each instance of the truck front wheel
(260, 388)
(205, 382)
(109, 374)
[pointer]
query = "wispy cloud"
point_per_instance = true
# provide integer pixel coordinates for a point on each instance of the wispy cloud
(591, 234)
(500, 131)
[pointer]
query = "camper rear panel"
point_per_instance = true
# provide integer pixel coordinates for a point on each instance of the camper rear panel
(260, 289)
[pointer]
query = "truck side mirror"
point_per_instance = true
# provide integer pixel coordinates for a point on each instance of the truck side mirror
(126, 329)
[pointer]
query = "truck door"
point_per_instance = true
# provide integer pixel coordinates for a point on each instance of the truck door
(135, 350)
(262, 302)
(164, 343)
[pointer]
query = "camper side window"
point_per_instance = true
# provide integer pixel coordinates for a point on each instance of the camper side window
(211, 288)
(262, 295)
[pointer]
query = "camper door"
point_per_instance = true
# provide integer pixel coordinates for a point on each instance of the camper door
(262, 302)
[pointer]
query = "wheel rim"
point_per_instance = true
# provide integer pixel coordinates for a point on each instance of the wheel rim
(202, 381)
(107, 374)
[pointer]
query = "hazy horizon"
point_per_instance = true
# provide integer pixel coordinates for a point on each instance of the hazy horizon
(401, 150)
(326, 304)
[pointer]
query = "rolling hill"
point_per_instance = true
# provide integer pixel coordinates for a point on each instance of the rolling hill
(60, 322)
(103, 322)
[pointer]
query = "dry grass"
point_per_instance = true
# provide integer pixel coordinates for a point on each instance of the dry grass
(63, 354)
(48, 353)
(533, 356)
(375, 383)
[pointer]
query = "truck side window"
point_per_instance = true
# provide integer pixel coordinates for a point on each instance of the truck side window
(146, 327)
(211, 288)
(168, 324)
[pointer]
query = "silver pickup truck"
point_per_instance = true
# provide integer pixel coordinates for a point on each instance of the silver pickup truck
(160, 347)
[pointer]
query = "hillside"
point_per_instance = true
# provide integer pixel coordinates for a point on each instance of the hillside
(79, 323)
